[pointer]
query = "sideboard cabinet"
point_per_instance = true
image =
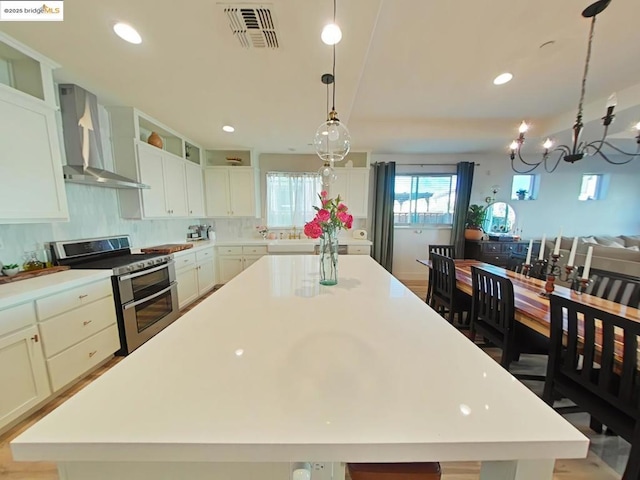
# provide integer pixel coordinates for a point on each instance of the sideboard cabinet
(495, 252)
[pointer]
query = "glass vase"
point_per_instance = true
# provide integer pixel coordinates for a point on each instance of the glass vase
(329, 258)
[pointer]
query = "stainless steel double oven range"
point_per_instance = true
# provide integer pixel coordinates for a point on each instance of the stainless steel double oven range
(144, 285)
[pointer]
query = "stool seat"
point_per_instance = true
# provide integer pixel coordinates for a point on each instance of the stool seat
(394, 471)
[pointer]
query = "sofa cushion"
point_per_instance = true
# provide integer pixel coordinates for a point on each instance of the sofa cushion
(617, 253)
(566, 243)
(631, 240)
(635, 248)
(608, 241)
(589, 240)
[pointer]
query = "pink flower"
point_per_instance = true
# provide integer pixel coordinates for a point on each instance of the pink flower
(343, 216)
(323, 215)
(323, 194)
(313, 229)
(342, 207)
(349, 222)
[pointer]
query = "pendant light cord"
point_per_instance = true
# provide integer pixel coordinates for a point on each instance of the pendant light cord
(586, 67)
(334, 60)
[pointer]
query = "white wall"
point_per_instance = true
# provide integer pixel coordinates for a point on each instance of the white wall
(93, 212)
(557, 205)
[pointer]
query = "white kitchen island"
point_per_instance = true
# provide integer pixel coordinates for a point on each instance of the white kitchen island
(274, 369)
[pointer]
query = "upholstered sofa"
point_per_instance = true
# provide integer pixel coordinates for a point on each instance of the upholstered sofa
(617, 254)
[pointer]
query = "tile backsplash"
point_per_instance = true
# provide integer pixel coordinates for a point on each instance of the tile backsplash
(93, 212)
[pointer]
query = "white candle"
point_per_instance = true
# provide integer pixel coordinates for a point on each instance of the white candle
(587, 264)
(528, 260)
(541, 254)
(556, 248)
(572, 254)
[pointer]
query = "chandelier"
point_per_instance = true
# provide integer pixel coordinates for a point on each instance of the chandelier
(332, 140)
(579, 149)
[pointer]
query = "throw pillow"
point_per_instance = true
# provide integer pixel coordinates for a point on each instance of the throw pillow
(589, 240)
(635, 248)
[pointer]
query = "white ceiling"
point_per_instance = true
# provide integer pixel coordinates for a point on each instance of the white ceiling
(412, 75)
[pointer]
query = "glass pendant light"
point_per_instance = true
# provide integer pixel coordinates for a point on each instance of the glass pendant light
(332, 140)
(327, 174)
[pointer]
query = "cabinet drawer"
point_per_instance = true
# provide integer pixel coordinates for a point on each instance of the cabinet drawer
(236, 250)
(358, 250)
(185, 261)
(75, 361)
(205, 254)
(509, 248)
(491, 247)
(499, 259)
(76, 297)
(72, 327)
(255, 250)
(15, 318)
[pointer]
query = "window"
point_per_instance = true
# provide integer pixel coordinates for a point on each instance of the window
(591, 187)
(424, 199)
(290, 198)
(524, 187)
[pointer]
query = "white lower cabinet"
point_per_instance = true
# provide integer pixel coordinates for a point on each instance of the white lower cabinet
(23, 374)
(236, 258)
(195, 274)
(79, 330)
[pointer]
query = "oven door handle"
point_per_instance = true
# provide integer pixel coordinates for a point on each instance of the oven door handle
(150, 297)
(144, 272)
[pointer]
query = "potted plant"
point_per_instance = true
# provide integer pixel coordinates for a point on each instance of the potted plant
(521, 193)
(10, 270)
(475, 218)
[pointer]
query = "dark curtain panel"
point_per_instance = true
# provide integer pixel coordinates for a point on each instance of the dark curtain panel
(463, 196)
(384, 177)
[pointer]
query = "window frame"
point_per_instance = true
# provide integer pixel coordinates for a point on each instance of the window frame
(451, 201)
(599, 190)
(532, 191)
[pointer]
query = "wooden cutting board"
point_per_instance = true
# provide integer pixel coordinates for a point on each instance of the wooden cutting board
(32, 274)
(167, 248)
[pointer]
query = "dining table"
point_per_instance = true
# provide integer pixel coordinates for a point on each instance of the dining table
(275, 371)
(532, 308)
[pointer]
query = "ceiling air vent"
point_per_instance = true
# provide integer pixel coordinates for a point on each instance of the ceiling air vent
(252, 26)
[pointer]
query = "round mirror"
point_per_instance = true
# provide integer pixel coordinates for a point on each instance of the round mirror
(500, 218)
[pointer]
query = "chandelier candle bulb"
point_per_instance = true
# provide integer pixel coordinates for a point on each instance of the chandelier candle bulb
(572, 254)
(541, 254)
(523, 127)
(556, 248)
(587, 264)
(528, 260)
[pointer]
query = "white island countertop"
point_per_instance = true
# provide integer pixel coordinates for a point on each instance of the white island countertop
(276, 368)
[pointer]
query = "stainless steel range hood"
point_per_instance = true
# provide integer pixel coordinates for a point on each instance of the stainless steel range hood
(82, 142)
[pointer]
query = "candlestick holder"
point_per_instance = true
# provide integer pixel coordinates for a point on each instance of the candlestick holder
(570, 274)
(581, 285)
(553, 271)
(549, 286)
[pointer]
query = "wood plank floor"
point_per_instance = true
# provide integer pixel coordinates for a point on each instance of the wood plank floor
(591, 468)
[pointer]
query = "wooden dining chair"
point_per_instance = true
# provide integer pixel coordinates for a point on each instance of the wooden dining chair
(447, 251)
(617, 287)
(446, 299)
(492, 316)
(593, 361)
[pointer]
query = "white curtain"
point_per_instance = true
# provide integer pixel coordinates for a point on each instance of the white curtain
(291, 197)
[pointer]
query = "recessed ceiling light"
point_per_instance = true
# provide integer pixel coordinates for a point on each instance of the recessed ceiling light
(127, 33)
(228, 129)
(502, 78)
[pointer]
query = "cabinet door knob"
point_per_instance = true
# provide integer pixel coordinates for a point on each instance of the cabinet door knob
(91, 354)
(87, 322)
(35, 338)
(82, 296)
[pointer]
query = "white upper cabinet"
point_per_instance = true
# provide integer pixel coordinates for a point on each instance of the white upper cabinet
(195, 190)
(173, 172)
(231, 192)
(30, 153)
(352, 184)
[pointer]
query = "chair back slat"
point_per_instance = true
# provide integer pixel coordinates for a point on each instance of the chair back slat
(630, 366)
(607, 381)
(589, 345)
(607, 356)
(444, 250)
(492, 301)
(443, 277)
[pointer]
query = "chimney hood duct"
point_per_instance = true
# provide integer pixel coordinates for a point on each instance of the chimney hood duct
(82, 142)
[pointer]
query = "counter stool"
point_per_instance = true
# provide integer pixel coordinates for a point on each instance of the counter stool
(394, 471)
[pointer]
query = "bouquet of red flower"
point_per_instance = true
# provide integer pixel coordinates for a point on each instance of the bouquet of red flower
(330, 218)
